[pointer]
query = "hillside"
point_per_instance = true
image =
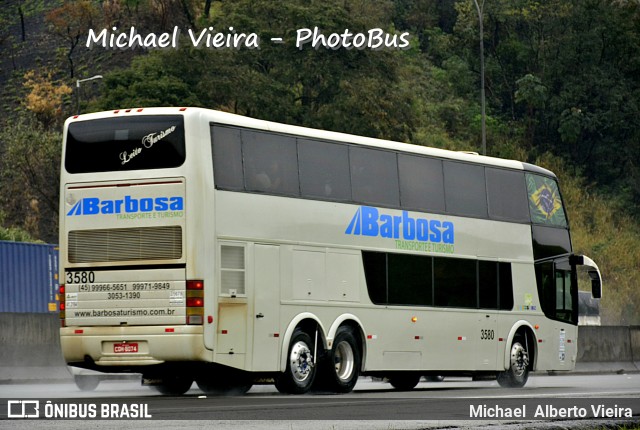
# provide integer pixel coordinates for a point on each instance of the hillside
(562, 90)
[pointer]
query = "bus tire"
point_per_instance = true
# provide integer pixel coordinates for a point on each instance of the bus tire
(300, 372)
(436, 378)
(405, 381)
(173, 386)
(518, 373)
(86, 382)
(236, 386)
(344, 362)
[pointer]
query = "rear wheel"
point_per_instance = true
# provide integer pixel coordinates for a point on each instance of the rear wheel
(404, 381)
(224, 388)
(436, 378)
(226, 382)
(173, 385)
(86, 382)
(301, 370)
(518, 373)
(344, 362)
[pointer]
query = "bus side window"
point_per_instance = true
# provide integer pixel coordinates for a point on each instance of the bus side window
(421, 183)
(270, 163)
(374, 177)
(324, 170)
(488, 284)
(464, 189)
(505, 287)
(227, 158)
(506, 195)
(455, 283)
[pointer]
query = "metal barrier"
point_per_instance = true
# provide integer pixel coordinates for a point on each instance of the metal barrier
(30, 348)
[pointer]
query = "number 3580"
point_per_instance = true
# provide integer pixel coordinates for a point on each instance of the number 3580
(80, 277)
(487, 334)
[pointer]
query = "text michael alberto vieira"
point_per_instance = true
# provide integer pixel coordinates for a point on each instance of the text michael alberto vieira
(550, 411)
(376, 38)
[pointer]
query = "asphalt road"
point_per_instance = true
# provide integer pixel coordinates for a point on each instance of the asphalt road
(371, 405)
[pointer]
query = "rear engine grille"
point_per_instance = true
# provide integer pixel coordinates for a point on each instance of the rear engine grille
(125, 244)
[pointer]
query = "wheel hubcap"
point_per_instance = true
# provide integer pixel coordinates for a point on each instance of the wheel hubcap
(519, 359)
(344, 361)
(300, 361)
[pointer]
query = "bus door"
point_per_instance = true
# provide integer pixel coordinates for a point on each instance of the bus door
(558, 291)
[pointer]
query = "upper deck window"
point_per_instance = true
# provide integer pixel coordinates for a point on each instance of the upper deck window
(125, 143)
(506, 195)
(464, 189)
(257, 161)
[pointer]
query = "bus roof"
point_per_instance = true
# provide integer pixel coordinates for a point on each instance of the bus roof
(243, 121)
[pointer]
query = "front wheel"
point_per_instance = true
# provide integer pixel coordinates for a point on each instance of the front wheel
(301, 370)
(518, 373)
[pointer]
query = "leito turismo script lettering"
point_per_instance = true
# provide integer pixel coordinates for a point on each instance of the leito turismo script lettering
(374, 39)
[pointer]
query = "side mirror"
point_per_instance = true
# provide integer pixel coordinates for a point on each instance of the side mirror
(593, 272)
(596, 284)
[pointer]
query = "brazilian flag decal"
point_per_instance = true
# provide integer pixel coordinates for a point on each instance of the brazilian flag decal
(545, 203)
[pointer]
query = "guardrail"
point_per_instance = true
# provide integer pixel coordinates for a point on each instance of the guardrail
(608, 349)
(30, 348)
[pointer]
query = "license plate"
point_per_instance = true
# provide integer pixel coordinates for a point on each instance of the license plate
(125, 348)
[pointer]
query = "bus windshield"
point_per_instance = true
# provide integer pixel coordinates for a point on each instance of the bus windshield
(131, 143)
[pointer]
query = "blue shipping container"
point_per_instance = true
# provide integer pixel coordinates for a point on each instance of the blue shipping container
(28, 277)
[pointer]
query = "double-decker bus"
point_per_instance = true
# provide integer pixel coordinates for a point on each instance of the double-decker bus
(203, 246)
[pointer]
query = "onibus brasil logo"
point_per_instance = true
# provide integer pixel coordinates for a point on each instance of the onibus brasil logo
(417, 234)
(129, 207)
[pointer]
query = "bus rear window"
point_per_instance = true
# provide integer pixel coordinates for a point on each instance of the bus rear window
(125, 143)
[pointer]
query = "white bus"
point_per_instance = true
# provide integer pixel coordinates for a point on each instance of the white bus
(203, 246)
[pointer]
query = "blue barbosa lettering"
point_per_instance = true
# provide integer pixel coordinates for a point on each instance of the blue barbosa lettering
(95, 206)
(369, 222)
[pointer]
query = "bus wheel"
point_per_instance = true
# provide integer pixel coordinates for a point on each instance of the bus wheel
(224, 387)
(518, 373)
(437, 378)
(404, 381)
(344, 361)
(301, 370)
(173, 386)
(86, 382)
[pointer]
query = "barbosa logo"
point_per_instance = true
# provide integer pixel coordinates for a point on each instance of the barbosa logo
(96, 206)
(368, 221)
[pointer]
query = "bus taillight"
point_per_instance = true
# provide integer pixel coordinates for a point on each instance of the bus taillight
(195, 302)
(62, 305)
(195, 285)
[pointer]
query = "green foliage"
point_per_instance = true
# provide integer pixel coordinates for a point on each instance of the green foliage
(14, 234)
(29, 172)
(318, 88)
(562, 87)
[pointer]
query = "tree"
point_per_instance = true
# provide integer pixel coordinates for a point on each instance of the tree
(70, 22)
(312, 87)
(45, 98)
(29, 173)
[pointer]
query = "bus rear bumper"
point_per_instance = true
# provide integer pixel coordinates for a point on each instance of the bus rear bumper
(132, 347)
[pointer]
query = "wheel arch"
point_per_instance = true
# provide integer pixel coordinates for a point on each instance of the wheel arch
(353, 322)
(523, 328)
(308, 323)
